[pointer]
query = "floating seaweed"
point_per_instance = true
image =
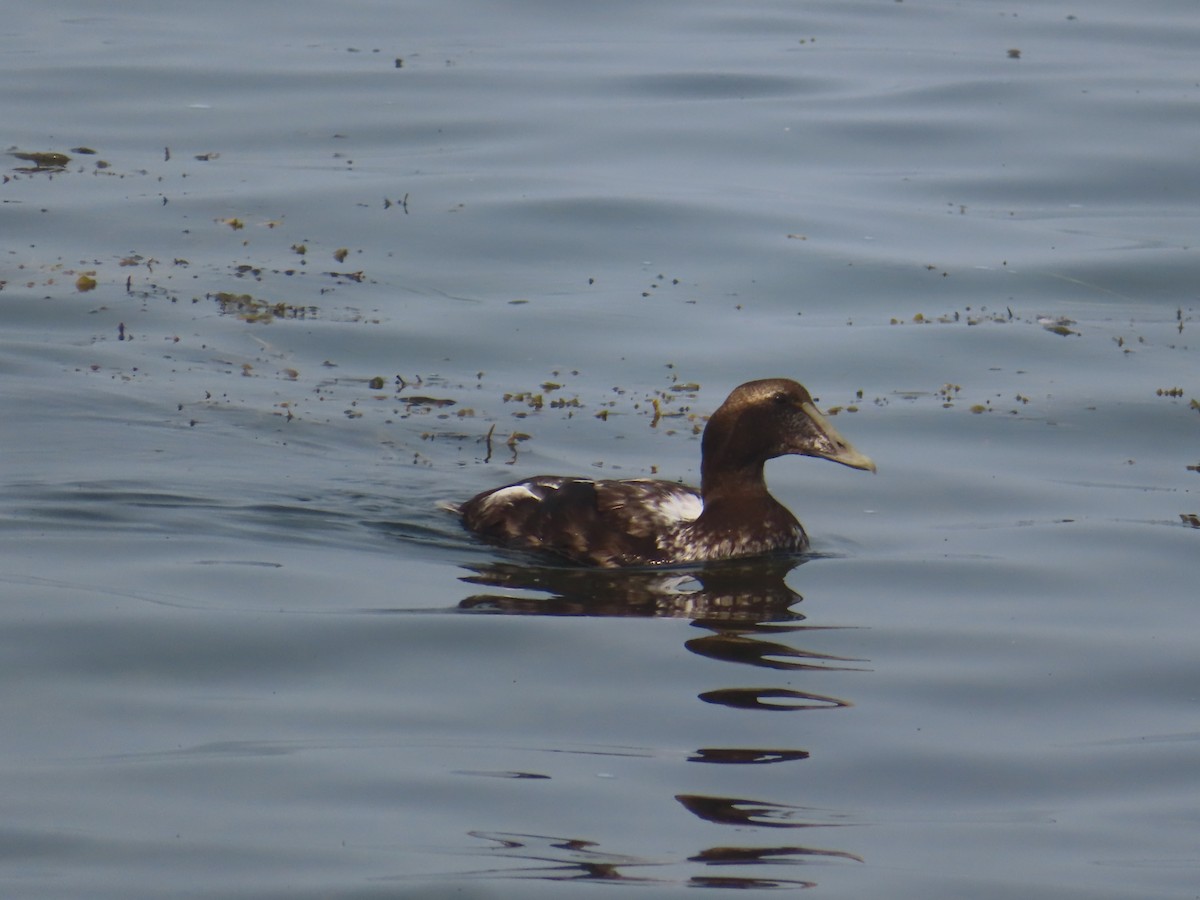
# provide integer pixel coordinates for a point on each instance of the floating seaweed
(42, 162)
(253, 309)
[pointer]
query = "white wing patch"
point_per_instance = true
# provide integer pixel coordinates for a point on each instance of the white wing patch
(682, 506)
(507, 496)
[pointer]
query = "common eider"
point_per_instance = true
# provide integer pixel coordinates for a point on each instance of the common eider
(650, 522)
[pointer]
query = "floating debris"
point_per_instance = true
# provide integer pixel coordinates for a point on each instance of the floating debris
(43, 162)
(533, 401)
(948, 392)
(402, 203)
(252, 309)
(1057, 325)
(435, 402)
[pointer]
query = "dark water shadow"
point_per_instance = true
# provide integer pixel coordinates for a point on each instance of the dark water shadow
(566, 859)
(750, 617)
(746, 605)
(741, 591)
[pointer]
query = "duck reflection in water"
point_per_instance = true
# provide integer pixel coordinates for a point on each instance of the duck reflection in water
(743, 603)
(749, 610)
(558, 859)
(739, 591)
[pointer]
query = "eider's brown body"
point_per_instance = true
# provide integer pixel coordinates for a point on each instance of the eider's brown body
(644, 522)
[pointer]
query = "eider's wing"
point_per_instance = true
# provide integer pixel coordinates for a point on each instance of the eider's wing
(638, 520)
(509, 513)
(648, 506)
(599, 523)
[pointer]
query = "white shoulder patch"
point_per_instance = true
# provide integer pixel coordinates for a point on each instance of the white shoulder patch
(508, 495)
(682, 506)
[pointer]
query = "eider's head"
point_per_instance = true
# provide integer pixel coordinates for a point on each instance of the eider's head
(773, 417)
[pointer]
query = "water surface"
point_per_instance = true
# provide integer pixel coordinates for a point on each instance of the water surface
(247, 654)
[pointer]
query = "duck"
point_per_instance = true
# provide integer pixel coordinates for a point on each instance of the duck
(610, 523)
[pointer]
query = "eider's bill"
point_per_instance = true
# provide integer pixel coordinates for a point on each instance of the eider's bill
(829, 444)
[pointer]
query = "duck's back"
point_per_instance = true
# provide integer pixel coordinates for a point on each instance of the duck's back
(595, 522)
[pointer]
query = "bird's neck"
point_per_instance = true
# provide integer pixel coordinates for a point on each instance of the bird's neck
(721, 481)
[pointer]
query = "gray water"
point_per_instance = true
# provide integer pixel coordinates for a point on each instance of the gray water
(334, 248)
